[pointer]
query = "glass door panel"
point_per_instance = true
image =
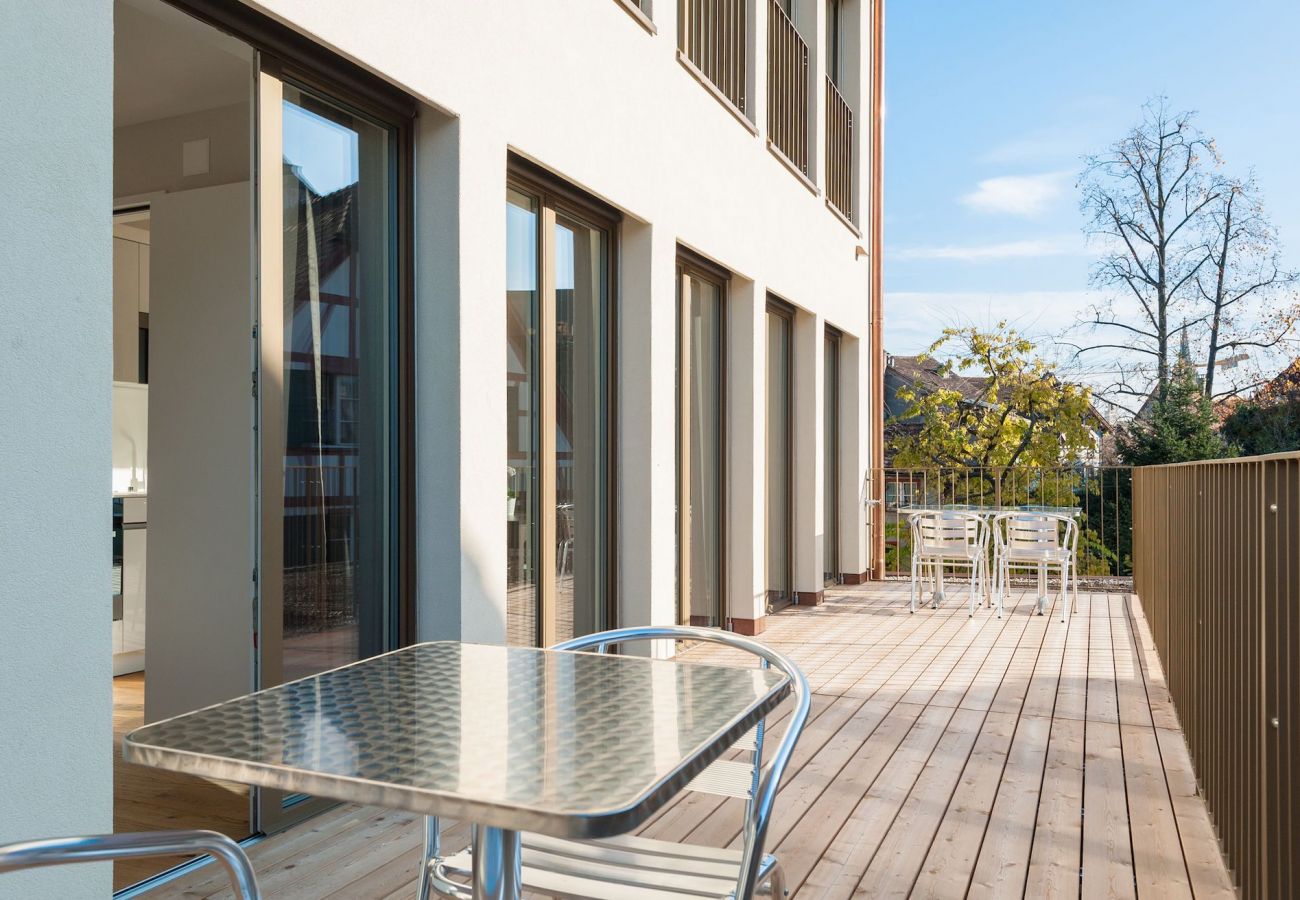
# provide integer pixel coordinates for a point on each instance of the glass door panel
(701, 461)
(326, 391)
(779, 457)
(831, 460)
(558, 400)
(580, 398)
(522, 231)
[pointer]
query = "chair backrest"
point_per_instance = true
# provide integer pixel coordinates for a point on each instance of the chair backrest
(1023, 531)
(765, 778)
(100, 847)
(947, 528)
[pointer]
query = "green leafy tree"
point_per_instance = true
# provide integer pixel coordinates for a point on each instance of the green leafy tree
(1180, 427)
(1269, 422)
(1017, 415)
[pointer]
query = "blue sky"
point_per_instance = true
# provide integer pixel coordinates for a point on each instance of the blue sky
(990, 106)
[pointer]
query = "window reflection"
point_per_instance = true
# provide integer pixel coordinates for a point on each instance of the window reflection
(339, 293)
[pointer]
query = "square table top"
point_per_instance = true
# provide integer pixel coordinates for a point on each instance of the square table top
(989, 510)
(561, 743)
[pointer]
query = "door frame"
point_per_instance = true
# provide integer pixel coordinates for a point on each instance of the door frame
(271, 811)
(831, 455)
(556, 197)
(692, 265)
(784, 310)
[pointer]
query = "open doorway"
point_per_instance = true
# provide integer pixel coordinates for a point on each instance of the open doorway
(183, 440)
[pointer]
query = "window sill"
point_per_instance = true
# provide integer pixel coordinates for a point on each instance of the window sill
(717, 94)
(848, 223)
(635, 11)
(794, 170)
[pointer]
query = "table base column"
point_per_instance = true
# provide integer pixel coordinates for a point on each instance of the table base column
(497, 858)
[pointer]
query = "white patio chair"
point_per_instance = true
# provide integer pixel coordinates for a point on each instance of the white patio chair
(101, 847)
(638, 868)
(949, 538)
(1036, 542)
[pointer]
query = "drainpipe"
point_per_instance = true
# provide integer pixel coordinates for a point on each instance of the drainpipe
(877, 303)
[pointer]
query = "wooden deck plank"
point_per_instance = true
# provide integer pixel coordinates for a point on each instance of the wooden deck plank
(946, 757)
(1107, 847)
(1054, 861)
(1158, 864)
(902, 853)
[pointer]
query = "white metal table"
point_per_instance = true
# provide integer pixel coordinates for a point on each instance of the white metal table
(575, 745)
(988, 512)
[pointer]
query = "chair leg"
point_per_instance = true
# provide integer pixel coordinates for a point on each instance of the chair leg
(776, 881)
(431, 850)
(912, 594)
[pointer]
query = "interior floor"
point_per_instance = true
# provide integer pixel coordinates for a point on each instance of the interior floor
(153, 800)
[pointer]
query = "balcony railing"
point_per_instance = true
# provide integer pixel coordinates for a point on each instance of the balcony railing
(1217, 568)
(1103, 495)
(839, 151)
(787, 87)
(712, 35)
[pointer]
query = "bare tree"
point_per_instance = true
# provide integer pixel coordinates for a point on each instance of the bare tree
(1145, 200)
(1243, 284)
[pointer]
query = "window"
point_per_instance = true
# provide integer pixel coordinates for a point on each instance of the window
(701, 433)
(559, 422)
(831, 458)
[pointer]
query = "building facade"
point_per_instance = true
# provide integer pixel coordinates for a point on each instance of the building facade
(491, 322)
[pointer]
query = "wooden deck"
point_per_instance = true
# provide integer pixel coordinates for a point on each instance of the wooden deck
(945, 757)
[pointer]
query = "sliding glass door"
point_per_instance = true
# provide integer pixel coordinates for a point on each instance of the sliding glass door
(831, 458)
(701, 445)
(327, 387)
(780, 454)
(559, 380)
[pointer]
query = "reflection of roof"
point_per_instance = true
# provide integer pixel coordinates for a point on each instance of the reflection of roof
(332, 215)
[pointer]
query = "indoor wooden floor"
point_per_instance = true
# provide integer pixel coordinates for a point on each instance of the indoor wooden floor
(153, 800)
(945, 757)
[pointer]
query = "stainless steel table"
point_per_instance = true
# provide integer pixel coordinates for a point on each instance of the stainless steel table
(990, 512)
(512, 739)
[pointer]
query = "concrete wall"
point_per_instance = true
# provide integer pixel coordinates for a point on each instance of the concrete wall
(56, 329)
(581, 88)
(198, 620)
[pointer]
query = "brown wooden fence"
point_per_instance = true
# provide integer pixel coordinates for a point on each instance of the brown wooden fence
(712, 34)
(839, 151)
(1216, 559)
(787, 87)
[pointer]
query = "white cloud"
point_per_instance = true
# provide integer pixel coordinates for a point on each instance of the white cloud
(1017, 195)
(1034, 248)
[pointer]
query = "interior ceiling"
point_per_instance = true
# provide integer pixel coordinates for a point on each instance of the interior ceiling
(167, 63)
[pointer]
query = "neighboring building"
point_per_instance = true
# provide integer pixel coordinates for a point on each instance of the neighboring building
(487, 321)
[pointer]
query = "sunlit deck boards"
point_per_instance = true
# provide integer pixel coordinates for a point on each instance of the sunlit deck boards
(946, 757)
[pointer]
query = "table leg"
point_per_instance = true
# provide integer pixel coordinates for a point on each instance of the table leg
(938, 585)
(497, 857)
(1042, 589)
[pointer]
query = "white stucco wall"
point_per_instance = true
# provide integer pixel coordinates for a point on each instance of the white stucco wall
(582, 89)
(56, 367)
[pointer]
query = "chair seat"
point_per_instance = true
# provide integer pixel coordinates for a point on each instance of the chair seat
(1029, 555)
(954, 550)
(622, 868)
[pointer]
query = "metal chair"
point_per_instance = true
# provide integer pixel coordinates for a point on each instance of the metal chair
(949, 538)
(1036, 541)
(101, 847)
(639, 868)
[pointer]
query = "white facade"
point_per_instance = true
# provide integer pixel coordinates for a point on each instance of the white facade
(586, 90)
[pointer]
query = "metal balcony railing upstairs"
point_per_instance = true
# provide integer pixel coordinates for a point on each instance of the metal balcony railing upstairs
(1216, 560)
(712, 35)
(839, 152)
(787, 87)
